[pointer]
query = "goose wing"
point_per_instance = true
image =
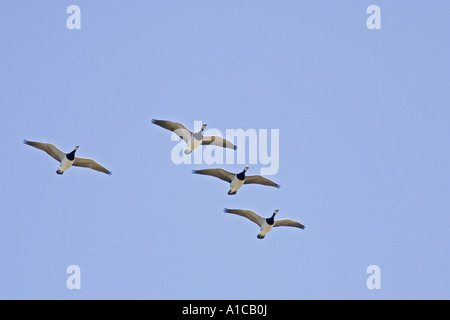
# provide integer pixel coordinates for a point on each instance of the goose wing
(88, 163)
(218, 173)
(218, 141)
(288, 223)
(53, 151)
(251, 215)
(260, 180)
(175, 127)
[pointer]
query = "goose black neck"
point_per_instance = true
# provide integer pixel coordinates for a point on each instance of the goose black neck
(271, 220)
(71, 156)
(241, 176)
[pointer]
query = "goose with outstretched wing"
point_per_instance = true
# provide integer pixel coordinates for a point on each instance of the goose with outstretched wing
(66, 160)
(265, 224)
(237, 180)
(193, 139)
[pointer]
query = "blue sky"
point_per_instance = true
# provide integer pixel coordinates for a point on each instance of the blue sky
(364, 158)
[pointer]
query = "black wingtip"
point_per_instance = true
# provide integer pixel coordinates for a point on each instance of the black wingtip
(226, 210)
(235, 148)
(154, 121)
(278, 186)
(25, 141)
(194, 171)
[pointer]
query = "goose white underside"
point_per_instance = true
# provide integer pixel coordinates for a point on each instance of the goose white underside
(265, 228)
(65, 164)
(192, 145)
(235, 185)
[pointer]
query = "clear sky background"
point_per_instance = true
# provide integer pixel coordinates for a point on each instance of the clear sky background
(364, 149)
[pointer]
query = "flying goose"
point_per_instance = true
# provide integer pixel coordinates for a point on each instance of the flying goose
(236, 180)
(193, 140)
(265, 224)
(66, 160)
